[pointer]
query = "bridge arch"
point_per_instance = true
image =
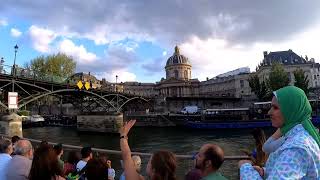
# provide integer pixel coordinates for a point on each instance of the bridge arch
(67, 90)
(131, 100)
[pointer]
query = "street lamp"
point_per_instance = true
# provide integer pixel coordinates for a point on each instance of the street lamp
(1, 65)
(15, 57)
(117, 92)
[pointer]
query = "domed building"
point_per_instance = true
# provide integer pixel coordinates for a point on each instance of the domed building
(178, 66)
(178, 81)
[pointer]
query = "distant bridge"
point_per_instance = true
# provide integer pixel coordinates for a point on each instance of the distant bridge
(32, 88)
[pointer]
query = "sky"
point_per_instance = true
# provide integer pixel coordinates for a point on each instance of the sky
(134, 39)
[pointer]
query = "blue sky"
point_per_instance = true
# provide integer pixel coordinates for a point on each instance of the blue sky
(133, 39)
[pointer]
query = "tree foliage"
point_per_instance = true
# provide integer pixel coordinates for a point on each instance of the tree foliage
(278, 78)
(301, 80)
(259, 88)
(54, 65)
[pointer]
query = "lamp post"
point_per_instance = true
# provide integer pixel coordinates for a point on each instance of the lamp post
(117, 92)
(1, 65)
(15, 57)
(14, 65)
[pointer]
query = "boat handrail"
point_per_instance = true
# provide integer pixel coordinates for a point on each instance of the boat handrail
(116, 152)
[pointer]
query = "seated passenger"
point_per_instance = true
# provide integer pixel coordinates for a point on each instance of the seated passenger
(20, 164)
(208, 160)
(299, 155)
(161, 165)
(5, 151)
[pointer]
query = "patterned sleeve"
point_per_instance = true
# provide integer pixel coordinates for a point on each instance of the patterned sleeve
(291, 164)
(248, 173)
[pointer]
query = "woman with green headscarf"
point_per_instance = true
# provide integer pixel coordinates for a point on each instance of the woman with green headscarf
(299, 156)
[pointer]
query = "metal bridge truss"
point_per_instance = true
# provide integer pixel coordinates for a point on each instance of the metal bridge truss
(88, 101)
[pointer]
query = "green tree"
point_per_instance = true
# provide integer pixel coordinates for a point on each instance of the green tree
(259, 88)
(54, 65)
(301, 80)
(278, 78)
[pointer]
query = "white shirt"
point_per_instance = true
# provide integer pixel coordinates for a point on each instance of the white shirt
(81, 164)
(4, 161)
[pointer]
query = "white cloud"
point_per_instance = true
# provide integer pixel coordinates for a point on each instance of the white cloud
(15, 32)
(41, 38)
(80, 53)
(123, 76)
(215, 56)
(3, 22)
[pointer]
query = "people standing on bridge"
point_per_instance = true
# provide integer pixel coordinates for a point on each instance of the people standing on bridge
(5, 151)
(161, 166)
(299, 155)
(45, 164)
(209, 160)
(20, 164)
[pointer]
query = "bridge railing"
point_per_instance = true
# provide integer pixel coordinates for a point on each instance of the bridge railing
(29, 74)
(185, 162)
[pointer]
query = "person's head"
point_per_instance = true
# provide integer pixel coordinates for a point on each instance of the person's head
(96, 170)
(45, 164)
(86, 153)
(103, 158)
(73, 157)
(259, 136)
(162, 165)
(58, 149)
(137, 162)
(276, 116)
(24, 148)
(209, 158)
(5, 146)
(15, 139)
(290, 107)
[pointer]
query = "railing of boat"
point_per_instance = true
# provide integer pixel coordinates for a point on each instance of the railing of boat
(185, 162)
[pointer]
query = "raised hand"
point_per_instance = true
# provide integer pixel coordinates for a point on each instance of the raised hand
(124, 130)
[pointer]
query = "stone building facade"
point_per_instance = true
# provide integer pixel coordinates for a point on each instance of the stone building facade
(291, 62)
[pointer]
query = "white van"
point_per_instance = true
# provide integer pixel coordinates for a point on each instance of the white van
(190, 110)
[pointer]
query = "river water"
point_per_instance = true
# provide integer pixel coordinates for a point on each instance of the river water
(146, 139)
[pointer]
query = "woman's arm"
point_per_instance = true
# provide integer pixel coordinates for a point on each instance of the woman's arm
(129, 168)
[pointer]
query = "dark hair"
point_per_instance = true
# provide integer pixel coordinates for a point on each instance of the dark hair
(14, 139)
(260, 139)
(85, 152)
(73, 157)
(45, 164)
(58, 148)
(214, 154)
(4, 145)
(164, 165)
(96, 170)
(103, 158)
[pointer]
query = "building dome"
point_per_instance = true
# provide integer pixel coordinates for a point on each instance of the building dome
(177, 58)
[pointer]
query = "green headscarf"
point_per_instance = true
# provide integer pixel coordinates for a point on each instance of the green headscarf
(296, 109)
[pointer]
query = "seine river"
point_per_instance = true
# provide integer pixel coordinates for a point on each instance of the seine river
(179, 141)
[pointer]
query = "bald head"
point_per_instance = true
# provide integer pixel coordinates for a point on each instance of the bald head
(24, 148)
(214, 154)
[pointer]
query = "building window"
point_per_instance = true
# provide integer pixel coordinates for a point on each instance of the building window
(176, 74)
(241, 83)
(289, 76)
(315, 76)
(185, 74)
